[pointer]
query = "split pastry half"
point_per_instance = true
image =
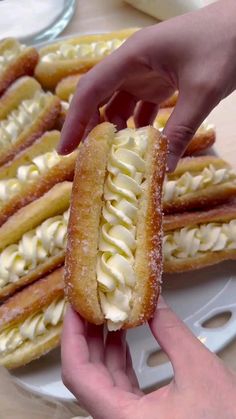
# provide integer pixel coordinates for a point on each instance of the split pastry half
(16, 60)
(204, 137)
(76, 55)
(32, 241)
(198, 182)
(31, 321)
(199, 239)
(26, 112)
(32, 173)
(114, 259)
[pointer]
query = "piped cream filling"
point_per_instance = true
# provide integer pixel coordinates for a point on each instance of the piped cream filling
(9, 55)
(36, 325)
(67, 51)
(21, 118)
(28, 173)
(35, 247)
(117, 245)
(192, 182)
(195, 241)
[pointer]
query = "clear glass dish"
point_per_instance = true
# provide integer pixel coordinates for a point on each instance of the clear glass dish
(34, 21)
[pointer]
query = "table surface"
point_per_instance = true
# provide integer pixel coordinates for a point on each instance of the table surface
(114, 14)
(99, 15)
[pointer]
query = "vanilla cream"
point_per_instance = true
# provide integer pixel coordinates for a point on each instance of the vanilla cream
(35, 246)
(117, 245)
(21, 117)
(28, 173)
(194, 241)
(36, 325)
(9, 55)
(67, 51)
(192, 182)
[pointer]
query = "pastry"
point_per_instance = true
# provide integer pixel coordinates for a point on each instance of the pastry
(32, 241)
(203, 138)
(32, 173)
(113, 259)
(31, 321)
(26, 112)
(76, 55)
(16, 60)
(198, 182)
(194, 240)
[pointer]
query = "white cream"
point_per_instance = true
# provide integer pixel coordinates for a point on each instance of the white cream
(35, 246)
(28, 173)
(193, 241)
(123, 186)
(21, 118)
(192, 182)
(67, 51)
(9, 55)
(35, 325)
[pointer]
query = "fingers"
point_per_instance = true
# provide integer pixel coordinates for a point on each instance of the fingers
(93, 89)
(119, 108)
(95, 343)
(115, 359)
(186, 117)
(176, 340)
(145, 113)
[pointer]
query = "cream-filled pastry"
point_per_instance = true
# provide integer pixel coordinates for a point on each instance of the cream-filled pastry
(33, 239)
(26, 112)
(113, 259)
(32, 173)
(203, 139)
(31, 321)
(76, 55)
(195, 240)
(16, 60)
(198, 182)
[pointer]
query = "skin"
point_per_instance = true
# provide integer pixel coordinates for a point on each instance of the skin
(101, 376)
(194, 53)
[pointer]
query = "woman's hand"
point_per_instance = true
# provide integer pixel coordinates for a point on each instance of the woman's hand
(194, 53)
(101, 376)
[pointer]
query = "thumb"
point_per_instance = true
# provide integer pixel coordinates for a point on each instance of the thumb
(176, 340)
(185, 119)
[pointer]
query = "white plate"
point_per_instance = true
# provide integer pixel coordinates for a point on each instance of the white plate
(195, 297)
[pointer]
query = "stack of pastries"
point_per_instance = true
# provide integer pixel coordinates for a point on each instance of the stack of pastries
(114, 244)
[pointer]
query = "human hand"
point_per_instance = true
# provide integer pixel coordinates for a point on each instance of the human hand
(102, 378)
(194, 53)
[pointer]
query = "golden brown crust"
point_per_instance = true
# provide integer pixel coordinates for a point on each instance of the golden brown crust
(23, 89)
(198, 262)
(81, 255)
(223, 213)
(31, 299)
(171, 101)
(31, 350)
(209, 196)
(220, 214)
(67, 86)
(148, 256)
(54, 202)
(50, 73)
(24, 64)
(62, 171)
(83, 228)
